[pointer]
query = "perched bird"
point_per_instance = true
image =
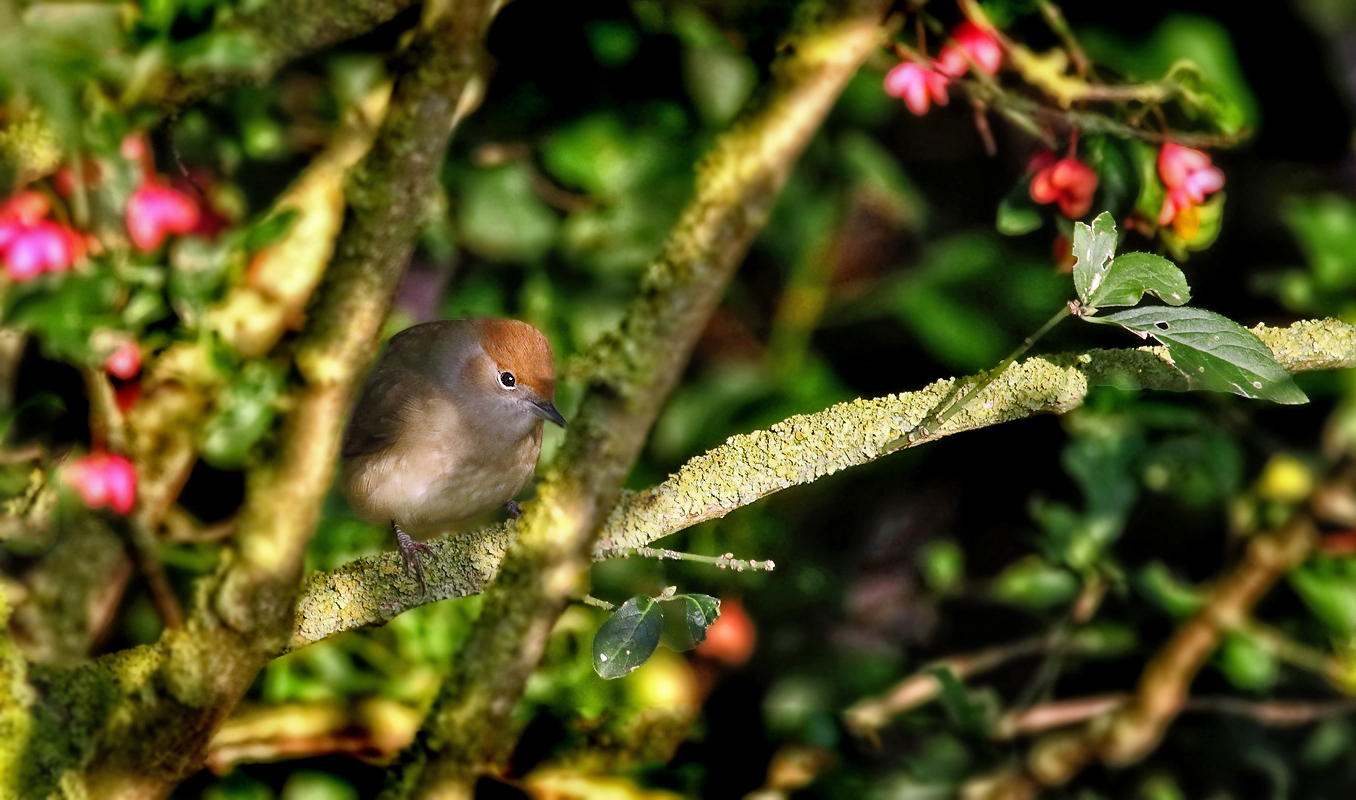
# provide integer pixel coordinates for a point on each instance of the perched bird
(448, 427)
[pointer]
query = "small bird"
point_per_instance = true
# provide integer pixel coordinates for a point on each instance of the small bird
(448, 427)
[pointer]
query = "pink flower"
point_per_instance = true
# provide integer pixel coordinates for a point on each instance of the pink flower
(103, 480)
(973, 41)
(1188, 176)
(917, 86)
(31, 245)
(44, 247)
(154, 211)
(125, 363)
(1069, 182)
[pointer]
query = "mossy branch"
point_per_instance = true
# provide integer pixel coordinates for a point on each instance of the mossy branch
(273, 33)
(147, 713)
(798, 450)
(632, 372)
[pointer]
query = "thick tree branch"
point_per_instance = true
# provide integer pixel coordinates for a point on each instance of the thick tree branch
(633, 372)
(799, 450)
(273, 33)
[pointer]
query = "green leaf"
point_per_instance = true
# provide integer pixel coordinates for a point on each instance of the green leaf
(1117, 174)
(1212, 351)
(501, 216)
(1327, 585)
(1018, 214)
(1247, 664)
(1093, 247)
(1033, 583)
(628, 637)
(1128, 277)
(686, 618)
(243, 415)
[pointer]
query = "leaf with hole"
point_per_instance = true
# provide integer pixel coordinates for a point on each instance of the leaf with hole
(628, 638)
(1212, 351)
(1129, 277)
(1093, 248)
(686, 619)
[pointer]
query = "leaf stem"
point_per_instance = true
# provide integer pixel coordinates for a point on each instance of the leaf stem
(960, 396)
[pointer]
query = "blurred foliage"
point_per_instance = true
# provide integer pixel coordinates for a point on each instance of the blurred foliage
(898, 253)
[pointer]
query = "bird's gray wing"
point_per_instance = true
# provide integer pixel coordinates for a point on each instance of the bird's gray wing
(379, 416)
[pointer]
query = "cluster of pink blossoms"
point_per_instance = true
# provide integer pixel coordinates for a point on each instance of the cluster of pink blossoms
(31, 244)
(1189, 177)
(1067, 182)
(920, 86)
(103, 480)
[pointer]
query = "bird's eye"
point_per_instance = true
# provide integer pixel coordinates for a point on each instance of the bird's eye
(507, 379)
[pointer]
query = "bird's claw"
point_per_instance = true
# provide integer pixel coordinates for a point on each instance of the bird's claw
(411, 553)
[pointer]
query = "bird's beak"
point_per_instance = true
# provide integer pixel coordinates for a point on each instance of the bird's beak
(547, 410)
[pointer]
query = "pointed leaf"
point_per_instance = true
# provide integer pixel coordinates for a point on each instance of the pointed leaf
(686, 618)
(628, 637)
(1128, 277)
(1093, 247)
(1213, 351)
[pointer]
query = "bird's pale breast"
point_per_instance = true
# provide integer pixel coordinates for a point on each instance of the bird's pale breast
(441, 470)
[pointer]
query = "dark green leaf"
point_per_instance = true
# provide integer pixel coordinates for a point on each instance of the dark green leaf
(628, 637)
(686, 618)
(502, 217)
(1117, 175)
(243, 415)
(1128, 277)
(1093, 247)
(1018, 213)
(63, 310)
(1212, 351)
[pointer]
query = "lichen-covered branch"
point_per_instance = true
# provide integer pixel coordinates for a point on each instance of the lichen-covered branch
(148, 713)
(805, 448)
(633, 372)
(799, 450)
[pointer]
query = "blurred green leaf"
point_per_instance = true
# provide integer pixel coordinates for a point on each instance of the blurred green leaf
(1034, 583)
(686, 618)
(614, 43)
(1193, 50)
(198, 272)
(1103, 640)
(1325, 227)
(876, 170)
(63, 310)
(1117, 174)
(501, 217)
(1212, 351)
(942, 563)
(956, 333)
(243, 415)
(717, 78)
(1327, 585)
(309, 785)
(1164, 590)
(1018, 214)
(1247, 664)
(628, 637)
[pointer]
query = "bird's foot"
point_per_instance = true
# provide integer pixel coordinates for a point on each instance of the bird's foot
(513, 509)
(412, 553)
